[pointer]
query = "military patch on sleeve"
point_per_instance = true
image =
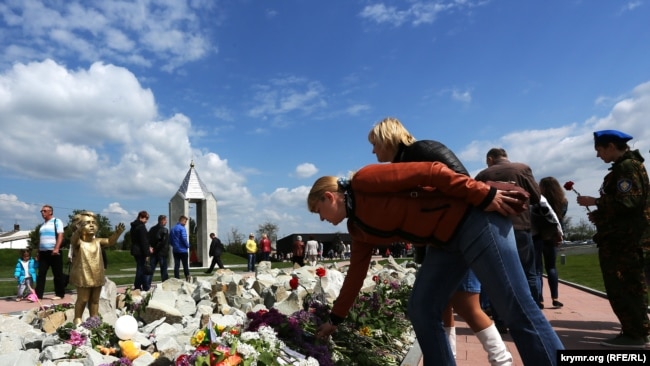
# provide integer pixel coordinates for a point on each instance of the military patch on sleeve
(624, 185)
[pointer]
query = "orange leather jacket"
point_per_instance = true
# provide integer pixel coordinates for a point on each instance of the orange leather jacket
(419, 202)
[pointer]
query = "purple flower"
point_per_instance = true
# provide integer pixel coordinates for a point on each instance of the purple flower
(92, 322)
(76, 339)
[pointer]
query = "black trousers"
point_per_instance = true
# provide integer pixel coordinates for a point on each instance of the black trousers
(216, 260)
(45, 261)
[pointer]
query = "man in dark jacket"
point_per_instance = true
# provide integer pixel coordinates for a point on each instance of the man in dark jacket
(140, 250)
(159, 241)
(216, 249)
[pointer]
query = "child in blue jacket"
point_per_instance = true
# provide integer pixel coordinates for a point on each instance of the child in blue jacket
(25, 273)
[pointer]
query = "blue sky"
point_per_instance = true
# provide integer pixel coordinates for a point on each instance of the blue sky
(103, 105)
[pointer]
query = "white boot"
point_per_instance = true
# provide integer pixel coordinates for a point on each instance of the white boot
(451, 336)
(494, 346)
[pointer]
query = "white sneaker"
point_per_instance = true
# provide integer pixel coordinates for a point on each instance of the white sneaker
(55, 298)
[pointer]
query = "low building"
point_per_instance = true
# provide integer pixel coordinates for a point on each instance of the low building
(16, 239)
(285, 245)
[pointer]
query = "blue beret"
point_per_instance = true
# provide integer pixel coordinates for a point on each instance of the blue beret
(606, 136)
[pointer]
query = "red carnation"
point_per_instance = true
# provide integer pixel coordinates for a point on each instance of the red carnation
(293, 283)
(320, 271)
(568, 185)
(375, 278)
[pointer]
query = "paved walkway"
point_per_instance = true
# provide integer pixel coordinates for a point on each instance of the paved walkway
(584, 321)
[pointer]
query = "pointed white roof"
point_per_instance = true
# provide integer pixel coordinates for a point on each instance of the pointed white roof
(192, 186)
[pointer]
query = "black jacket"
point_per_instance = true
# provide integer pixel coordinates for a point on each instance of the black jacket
(139, 241)
(159, 240)
(216, 248)
(429, 150)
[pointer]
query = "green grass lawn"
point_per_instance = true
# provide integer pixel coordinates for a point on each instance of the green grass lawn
(582, 269)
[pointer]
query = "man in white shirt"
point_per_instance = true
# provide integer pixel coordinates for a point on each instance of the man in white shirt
(49, 246)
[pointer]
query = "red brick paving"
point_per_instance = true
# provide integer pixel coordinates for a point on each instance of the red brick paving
(584, 321)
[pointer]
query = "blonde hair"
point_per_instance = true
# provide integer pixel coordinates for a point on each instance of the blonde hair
(321, 186)
(389, 133)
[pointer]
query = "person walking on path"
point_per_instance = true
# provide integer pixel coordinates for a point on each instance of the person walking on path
(25, 273)
(49, 255)
(298, 252)
(251, 252)
(159, 240)
(140, 250)
(265, 246)
(460, 236)
(311, 250)
(215, 251)
(550, 189)
(622, 219)
(392, 142)
(180, 244)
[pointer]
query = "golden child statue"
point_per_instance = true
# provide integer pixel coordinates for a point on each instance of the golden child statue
(87, 272)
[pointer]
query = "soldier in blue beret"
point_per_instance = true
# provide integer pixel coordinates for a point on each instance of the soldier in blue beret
(605, 136)
(622, 220)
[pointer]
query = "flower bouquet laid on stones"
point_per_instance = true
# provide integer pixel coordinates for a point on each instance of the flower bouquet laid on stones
(376, 332)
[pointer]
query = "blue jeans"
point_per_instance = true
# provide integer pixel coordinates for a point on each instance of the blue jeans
(470, 283)
(154, 261)
(141, 281)
(251, 262)
(526, 250)
(178, 259)
(538, 243)
(549, 250)
(485, 243)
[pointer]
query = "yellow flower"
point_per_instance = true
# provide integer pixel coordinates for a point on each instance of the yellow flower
(220, 328)
(198, 338)
(365, 331)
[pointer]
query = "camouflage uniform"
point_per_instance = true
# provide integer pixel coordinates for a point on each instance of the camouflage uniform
(622, 224)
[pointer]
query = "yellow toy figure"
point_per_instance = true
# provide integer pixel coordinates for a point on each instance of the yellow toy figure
(87, 272)
(130, 349)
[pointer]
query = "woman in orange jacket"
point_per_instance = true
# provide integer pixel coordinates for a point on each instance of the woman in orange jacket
(428, 203)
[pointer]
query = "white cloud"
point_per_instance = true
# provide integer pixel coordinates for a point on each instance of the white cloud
(631, 5)
(286, 95)
(99, 128)
(415, 12)
(294, 197)
(306, 170)
(567, 152)
(168, 32)
(67, 116)
(461, 96)
(16, 211)
(357, 109)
